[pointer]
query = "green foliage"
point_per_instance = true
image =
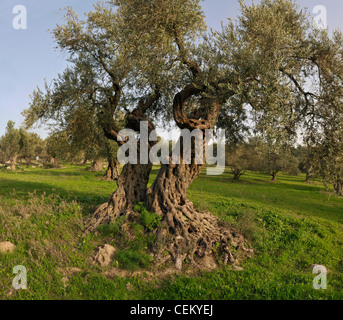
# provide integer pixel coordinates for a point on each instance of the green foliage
(133, 259)
(327, 156)
(17, 144)
(112, 229)
(272, 157)
(57, 146)
(239, 158)
(133, 254)
(150, 220)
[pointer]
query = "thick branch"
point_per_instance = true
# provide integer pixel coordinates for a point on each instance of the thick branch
(209, 110)
(192, 65)
(145, 104)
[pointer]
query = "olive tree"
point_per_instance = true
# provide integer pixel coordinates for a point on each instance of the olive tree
(240, 158)
(276, 158)
(146, 60)
(10, 144)
(31, 145)
(57, 148)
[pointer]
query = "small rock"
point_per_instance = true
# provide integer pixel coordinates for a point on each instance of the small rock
(104, 255)
(237, 268)
(6, 247)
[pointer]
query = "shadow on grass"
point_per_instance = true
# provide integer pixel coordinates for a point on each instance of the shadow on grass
(293, 182)
(58, 172)
(23, 188)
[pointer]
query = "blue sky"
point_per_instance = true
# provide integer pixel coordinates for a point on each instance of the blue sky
(27, 57)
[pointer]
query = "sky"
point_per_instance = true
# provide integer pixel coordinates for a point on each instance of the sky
(28, 57)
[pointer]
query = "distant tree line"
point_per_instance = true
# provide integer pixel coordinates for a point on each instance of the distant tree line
(19, 146)
(317, 161)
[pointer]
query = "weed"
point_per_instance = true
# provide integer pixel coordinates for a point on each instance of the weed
(133, 259)
(149, 220)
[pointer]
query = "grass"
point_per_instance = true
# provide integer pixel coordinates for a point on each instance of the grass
(292, 226)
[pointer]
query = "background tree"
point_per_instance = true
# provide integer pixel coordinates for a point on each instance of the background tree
(10, 144)
(305, 156)
(86, 134)
(57, 148)
(31, 145)
(274, 158)
(239, 158)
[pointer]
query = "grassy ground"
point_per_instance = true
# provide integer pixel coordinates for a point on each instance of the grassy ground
(292, 226)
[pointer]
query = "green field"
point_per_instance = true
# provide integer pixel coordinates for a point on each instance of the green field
(291, 225)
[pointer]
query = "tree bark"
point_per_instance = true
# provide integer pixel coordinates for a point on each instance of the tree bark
(112, 172)
(274, 176)
(97, 166)
(14, 162)
(189, 234)
(54, 162)
(132, 188)
(133, 180)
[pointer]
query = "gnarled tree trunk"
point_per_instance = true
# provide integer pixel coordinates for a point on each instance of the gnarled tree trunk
(97, 165)
(188, 233)
(112, 172)
(133, 180)
(132, 188)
